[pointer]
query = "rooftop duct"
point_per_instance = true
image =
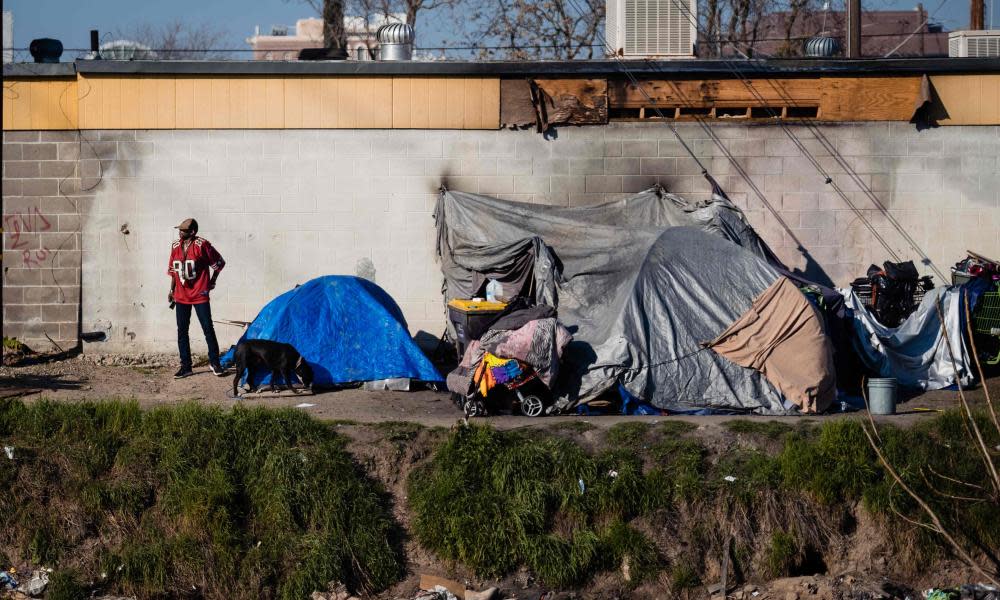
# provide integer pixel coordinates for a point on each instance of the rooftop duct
(395, 41)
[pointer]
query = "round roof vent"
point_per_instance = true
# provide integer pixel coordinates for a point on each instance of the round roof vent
(822, 46)
(126, 50)
(395, 33)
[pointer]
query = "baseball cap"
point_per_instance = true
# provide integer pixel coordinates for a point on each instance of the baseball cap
(188, 224)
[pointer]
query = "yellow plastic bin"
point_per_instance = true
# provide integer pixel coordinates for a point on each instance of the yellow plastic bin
(471, 319)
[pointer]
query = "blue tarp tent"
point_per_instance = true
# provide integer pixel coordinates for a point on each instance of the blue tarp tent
(348, 329)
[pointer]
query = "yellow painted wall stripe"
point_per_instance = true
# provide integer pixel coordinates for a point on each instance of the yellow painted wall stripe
(309, 102)
(317, 102)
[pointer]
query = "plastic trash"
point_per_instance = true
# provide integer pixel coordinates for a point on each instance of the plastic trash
(729, 478)
(494, 290)
(583, 488)
(36, 585)
(7, 581)
(9, 451)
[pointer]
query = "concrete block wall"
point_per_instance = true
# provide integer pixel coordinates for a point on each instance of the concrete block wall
(284, 206)
(42, 223)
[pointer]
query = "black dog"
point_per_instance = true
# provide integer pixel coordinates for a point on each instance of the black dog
(276, 357)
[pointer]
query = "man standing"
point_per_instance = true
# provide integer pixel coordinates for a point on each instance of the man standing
(191, 257)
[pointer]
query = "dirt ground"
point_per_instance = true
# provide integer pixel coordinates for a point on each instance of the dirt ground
(151, 384)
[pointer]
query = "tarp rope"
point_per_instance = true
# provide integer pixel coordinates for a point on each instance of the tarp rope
(828, 146)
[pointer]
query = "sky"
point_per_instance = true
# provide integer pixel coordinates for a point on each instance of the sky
(71, 20)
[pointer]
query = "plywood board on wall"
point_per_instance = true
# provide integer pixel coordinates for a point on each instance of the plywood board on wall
(272, 102)
(969, 99)
(868, 98)
(40, 104)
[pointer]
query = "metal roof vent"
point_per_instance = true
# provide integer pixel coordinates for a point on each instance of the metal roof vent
(822, 46)
(126, 50)
(395, 41)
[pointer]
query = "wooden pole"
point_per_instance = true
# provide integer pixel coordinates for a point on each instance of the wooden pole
(854, 28)
(977, 20)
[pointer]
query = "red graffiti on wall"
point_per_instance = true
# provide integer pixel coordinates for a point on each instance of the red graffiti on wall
(31, 222)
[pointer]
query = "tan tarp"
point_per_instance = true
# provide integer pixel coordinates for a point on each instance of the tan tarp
(781, 336)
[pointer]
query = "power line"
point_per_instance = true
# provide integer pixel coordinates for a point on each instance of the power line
(831, 148)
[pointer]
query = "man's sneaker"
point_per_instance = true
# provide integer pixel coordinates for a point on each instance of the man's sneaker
(183, 372)
(218, 370)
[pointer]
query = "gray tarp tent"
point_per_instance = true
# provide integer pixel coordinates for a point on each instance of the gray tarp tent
(641, 282)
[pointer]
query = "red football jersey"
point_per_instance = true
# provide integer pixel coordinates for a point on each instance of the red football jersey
(190, 270)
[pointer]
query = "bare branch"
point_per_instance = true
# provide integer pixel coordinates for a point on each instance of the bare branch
(179, 40)
(979, 367)
(987, 459)
(959, 550)
(958, 481)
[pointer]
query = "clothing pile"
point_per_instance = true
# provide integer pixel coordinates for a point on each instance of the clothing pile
(520, 340)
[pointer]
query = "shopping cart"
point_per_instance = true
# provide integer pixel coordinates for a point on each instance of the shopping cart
(986, 326)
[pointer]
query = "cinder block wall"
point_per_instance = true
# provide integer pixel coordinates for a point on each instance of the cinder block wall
(43, 208)
(284, 206)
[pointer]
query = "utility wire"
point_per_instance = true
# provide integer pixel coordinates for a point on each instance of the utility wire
(830, 147)
(711, 134)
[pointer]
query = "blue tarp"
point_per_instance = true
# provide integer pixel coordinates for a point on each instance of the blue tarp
(348, 329)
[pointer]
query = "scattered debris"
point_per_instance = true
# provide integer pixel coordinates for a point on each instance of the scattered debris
(729, 478)
(431, 583)
(36, 585)
(7, 581)
(335, 591)
(487, 594)
(438, 593)
(975, 591)
(9, 451)
(304, 405)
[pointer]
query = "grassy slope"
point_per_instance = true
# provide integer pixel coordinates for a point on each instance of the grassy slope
(658, 501)
(247, 503)
(255, 503)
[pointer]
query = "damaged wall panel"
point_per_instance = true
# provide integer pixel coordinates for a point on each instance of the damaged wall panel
(547, 102)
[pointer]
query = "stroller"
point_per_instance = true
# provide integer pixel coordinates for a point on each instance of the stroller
(499, 381)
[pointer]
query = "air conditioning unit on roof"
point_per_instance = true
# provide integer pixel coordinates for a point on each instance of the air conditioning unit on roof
(974, 44)
(652, 28)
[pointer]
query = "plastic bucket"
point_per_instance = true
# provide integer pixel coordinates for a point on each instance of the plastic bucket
(882, 396)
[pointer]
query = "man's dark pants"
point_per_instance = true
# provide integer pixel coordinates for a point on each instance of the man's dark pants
(204, 312)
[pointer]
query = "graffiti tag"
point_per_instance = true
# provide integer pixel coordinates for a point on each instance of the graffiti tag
(31, 222)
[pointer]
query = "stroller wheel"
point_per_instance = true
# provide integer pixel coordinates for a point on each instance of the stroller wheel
(474, 407)
(532, 406)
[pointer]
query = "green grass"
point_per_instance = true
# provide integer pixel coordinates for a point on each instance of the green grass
(575, 426)
(249, 503)
(496, 501)
(630, 434)
(771, 430)
(676, 428)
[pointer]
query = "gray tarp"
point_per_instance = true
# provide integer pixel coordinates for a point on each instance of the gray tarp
(915, 353)
(640, 282)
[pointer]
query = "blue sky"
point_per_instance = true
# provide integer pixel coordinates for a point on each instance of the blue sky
(71, 20)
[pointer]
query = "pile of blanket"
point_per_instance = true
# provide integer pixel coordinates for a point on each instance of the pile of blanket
(532, 336)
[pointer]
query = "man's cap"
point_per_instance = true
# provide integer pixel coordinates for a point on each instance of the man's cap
(188, 224)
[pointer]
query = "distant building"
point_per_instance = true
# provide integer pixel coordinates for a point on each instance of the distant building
(279, 45)
(881, 32)
(8, 37)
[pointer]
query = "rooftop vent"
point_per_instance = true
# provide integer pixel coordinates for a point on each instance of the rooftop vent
(45, 50)
(652, 28)
(822, 46)
(126, 50)
(395, 41)
(974, 44)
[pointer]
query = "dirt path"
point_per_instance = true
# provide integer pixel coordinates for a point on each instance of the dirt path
(82, 379)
